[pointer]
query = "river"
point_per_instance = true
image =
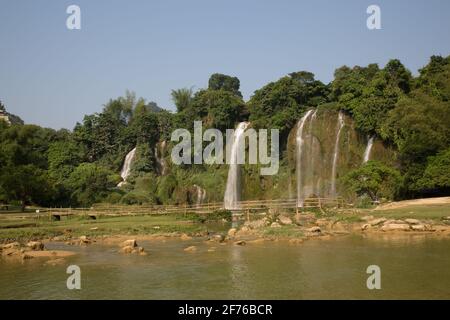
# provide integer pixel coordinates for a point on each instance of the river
(413, 267)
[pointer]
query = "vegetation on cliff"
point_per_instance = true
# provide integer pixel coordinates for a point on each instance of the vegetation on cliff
(409, 116)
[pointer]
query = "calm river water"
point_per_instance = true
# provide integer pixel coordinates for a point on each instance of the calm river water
(411, 267)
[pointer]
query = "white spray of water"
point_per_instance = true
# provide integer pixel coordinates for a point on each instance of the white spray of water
(162, 166)
(341, 124)
(299, 144)
(368, 149)
(232, 191)
(126, 168)
(201, 195)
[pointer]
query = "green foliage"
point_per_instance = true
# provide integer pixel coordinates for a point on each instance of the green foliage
(279, 104)
(219, 81)
(182, 98)
(91, 183)
(437, 172)
(375, 180)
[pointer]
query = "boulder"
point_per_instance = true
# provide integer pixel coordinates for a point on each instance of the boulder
(314, 230)
(35, 245)
(418, 227)
(191, 249)
(395, 227)
(185, 237)
(218, 237)
(256, 224)
(376, 222)
(240, 243)
(12, 245)
(84, 240)
(127, 249)
(366, 226)
(275, 225)
(130, 243)
(412, 221)
(284, 220)
(232, 232)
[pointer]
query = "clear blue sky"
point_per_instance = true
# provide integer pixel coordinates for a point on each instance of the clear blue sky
(52, 76)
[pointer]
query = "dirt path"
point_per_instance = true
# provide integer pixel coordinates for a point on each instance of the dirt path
(416, 202)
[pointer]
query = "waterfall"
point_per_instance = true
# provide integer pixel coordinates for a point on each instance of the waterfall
(336, 153)
(232, 191)
(368, 149)
(201, 195)
(312, 160)
(162, 166)
(126, 168)
(299, 145)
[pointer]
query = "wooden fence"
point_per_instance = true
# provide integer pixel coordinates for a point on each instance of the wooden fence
(135, 210)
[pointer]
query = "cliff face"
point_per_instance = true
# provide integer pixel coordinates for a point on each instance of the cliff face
(321, 150)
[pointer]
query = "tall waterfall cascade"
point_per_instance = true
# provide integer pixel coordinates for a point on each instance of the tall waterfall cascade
(299, 144)
(341, 124)
(201, 195)
(126, 168)
(232, 191)
(368, 149)
(160, 160)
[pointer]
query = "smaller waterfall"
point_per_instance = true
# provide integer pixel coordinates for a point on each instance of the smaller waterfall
(126, 168)
(162, 166)
(341, 124)
(368, 149)
(201, 195)
(232, 191)
(299, 145)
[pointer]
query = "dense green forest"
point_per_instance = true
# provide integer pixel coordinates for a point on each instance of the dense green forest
(81, 167)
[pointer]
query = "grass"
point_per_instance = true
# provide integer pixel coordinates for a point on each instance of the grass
(289, 231)
(432, 212)
(13, 229)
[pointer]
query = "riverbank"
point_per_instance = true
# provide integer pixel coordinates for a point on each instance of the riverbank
(429, 218)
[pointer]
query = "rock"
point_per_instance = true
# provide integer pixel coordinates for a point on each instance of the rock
(191, 249)
(285, 220)
(94, 228)
(12, 245)
(84, 240)
(314, 230)
(394, 222)
(26, 256)
(412, 221)
(218, 237)
(35, 245)
(275, 225)
(322, 222)
(240, 243)
(127, 249)
(418, 227)
(256, 224)
(185, 237)
(376, 222)
(395, 227)
(366, 226)
(245, 229)
(54, 262)
(130, 243)
(232, 232)
(367, 218)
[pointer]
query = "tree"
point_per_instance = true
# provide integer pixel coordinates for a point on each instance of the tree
(374, 179)
(219, 81)
(91, 183)
(25, 183)
(437, 172)
(182, 98)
